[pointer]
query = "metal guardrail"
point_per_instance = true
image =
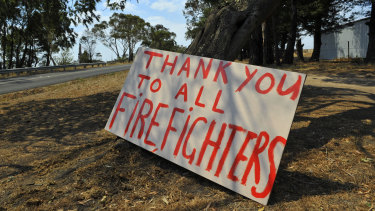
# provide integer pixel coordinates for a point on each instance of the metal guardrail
(34, 69)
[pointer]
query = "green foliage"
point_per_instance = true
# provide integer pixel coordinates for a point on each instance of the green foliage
(161, 38)
(84, 57)
(39, 27)
(330, 13)
(130, 29)
(196, 13)
(88, 42)
(65, 57)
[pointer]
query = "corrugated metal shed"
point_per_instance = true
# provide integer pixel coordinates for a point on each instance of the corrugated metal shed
(351, 41)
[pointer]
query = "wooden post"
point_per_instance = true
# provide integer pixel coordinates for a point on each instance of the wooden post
(348, 51)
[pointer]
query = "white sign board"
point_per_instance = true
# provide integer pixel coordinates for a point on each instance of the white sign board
(225, 121)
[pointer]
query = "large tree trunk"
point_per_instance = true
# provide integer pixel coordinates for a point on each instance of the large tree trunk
(283, 41)
(267, 42)
(256, 47)
(289, 53)
(299, 47)
(4, 45)
(130, 52)
(11, 52)
(227, 29)
(370, 57)
(317, 40)
(276, 38)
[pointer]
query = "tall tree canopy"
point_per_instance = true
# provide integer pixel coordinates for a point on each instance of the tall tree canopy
(129, 28)
(161, 38)
(28, 28)
(238, 23)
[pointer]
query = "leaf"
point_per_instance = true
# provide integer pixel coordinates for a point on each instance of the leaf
(366, 160)
(165, 200)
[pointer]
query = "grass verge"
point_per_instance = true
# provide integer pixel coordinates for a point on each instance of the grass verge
(55, 153)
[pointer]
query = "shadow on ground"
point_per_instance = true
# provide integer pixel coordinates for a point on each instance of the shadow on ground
(38, 129)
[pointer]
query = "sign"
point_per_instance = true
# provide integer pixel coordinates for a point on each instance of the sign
(225, 121)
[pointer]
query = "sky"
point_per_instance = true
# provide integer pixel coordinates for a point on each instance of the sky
(165, 12)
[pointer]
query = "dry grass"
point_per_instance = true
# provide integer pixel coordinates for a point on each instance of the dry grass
(54, 153)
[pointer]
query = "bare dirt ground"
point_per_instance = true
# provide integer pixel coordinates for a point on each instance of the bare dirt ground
(55, 154)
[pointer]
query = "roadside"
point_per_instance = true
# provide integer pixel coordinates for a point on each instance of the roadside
(54, 152)
(27, 82)
(54, 70)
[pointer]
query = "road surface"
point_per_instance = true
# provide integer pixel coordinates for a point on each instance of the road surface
(9, 85)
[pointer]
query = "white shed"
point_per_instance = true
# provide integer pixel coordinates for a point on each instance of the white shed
(351, 41)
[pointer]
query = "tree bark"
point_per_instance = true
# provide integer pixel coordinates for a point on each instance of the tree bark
(289, 53)
(130, 53)
(256, 47)
(267, 42)
(47, 57)
(276, 40)
(370, 56)
(4, 45)
(11, 52)
(317, 40)
(299, 47)
(227, 29)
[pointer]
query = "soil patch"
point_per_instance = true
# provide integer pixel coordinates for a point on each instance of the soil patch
(55, 154)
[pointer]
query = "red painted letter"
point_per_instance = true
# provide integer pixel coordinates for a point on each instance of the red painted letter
(142, 78)
(254, 159)
(240, 156)
(172, 65)
(248, 78)
(182, 91)
(142, 117)
(214, 108)
(205, 71)
(185, 67)
(153, 122)
(170, 127)
(221, 71)
(295, 88)
(199, 97)
(272, 175)
(257, 85)
(214, 144)
(234, 128)
(118, 108)
(184, 153)
(152, 54)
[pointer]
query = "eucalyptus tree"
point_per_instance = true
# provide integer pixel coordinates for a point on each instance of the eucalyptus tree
(88, 43)
(323, 15)
(107, 34)
(370, 57)
(132, 28)
(160, 37)
(31, 28)
(368, 10)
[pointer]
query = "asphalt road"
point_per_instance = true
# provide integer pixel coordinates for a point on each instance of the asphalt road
(9, 85)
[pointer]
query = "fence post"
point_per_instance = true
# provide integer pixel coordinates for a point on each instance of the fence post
(348, 51)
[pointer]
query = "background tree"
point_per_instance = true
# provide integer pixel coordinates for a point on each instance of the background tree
(161, 38)
(108, 34)
(289, 53)
(370, 56)
(196, 13)
(132, 28)
(39, 27)
(88, 42)
(323, 15)
(65, 57)
(84, 58)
